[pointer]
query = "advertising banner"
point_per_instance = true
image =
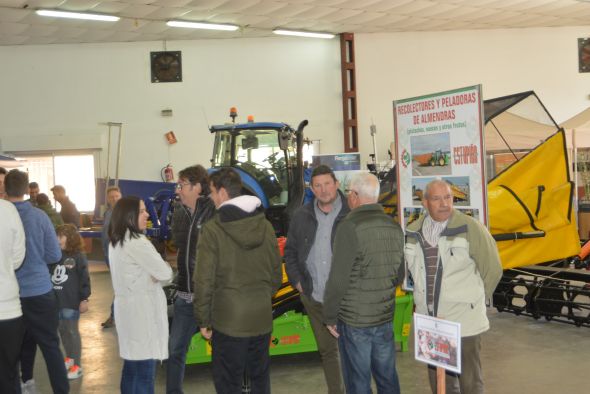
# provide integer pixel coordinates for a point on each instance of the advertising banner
(440, 136)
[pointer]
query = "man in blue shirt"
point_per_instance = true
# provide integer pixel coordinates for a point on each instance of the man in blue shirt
(39, 303)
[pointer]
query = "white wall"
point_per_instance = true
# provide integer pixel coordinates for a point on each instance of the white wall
(55, 96)
(403, 65)
(60, 93)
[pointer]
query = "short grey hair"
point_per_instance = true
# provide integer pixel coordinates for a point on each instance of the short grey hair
(436, 181)
(366, 185)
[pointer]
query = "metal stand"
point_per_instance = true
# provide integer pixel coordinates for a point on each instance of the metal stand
(119, 128)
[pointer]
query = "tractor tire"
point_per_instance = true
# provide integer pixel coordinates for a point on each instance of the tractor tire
(432, 163)
(441, 162)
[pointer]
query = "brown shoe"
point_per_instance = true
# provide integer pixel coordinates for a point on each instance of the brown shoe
(108, 323)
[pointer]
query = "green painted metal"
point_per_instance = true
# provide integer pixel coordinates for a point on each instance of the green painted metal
(292, 333)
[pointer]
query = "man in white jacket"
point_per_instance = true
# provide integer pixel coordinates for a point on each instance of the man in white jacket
(12, 254)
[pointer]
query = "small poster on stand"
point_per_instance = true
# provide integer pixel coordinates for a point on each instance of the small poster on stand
(437, 342)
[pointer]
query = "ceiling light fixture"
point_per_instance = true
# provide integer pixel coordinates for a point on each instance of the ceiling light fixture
(78, 15)
(309, 34)
(202, 25)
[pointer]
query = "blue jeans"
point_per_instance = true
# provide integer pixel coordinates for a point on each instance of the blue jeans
(138, 377)
(182, 330)
(368, 350)
(69, 314)
(70, 334)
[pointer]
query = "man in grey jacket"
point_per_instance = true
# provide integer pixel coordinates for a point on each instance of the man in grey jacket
(360, 293)
(308, 258)
(455, 266)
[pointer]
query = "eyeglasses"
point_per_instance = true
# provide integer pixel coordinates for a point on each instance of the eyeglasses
(351, 191)
(180, 185)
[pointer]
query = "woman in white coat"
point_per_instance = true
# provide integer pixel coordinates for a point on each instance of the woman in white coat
(138, 272)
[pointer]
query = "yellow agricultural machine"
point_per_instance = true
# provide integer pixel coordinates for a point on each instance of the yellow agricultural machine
(531, 213)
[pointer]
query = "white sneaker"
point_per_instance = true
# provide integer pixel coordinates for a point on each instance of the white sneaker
(69, 362)
(74, 372)
(29, 387)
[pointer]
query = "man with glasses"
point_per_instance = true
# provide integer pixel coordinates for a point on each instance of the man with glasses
(455, 265)
(195, 208)
(359, 301)
(308, 259)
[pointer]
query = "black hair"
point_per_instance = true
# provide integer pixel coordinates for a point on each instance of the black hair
(322, 169)
(33, 185)
(196, 174)
(16, 183)
(3, 170)
(42, 199)
(228, 179)
(125, 217)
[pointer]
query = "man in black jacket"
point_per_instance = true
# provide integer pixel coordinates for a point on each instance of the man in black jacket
(308, 258)
(69, 213)
(194, 209)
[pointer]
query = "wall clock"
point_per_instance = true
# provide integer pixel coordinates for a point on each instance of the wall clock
(166, 66)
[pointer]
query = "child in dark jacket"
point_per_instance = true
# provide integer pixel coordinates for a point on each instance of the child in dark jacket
(71, 283)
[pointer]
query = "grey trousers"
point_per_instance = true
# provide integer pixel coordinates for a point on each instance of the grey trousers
(471, 380)
(327, 345)
(70, 339)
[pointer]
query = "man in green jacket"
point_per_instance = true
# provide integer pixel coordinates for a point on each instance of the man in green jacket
(359, 300)
(455, 266)
(238, 272)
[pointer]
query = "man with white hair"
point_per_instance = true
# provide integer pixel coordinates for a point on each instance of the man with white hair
(455, 265)
(359, 300)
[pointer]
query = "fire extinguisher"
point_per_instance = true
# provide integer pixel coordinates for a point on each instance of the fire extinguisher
(168, 173)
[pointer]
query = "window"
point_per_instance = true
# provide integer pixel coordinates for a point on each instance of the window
(74, 172)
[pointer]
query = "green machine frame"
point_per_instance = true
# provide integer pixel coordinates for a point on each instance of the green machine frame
(292, 333)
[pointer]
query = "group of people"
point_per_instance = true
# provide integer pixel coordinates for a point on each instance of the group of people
(343, 254)
(229, 268)
(44, 286)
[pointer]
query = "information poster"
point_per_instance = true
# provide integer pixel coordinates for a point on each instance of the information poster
(437, 342)
(440, 136)
(344, 165)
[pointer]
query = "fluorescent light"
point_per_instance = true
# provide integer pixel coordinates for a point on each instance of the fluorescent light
(202, 25)
(302, 33)
(78, 15)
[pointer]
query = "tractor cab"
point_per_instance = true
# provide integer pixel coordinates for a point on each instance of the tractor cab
(267, 156)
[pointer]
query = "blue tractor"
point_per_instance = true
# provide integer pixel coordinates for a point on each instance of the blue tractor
(268, 158)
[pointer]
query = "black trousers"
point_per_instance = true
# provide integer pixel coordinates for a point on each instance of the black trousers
(40, 314)
(11, 338)
(233, 356)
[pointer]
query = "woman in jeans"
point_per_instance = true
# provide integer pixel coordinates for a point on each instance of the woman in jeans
(138, 272)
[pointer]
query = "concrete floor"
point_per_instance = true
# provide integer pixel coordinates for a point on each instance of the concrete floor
(520, 355)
